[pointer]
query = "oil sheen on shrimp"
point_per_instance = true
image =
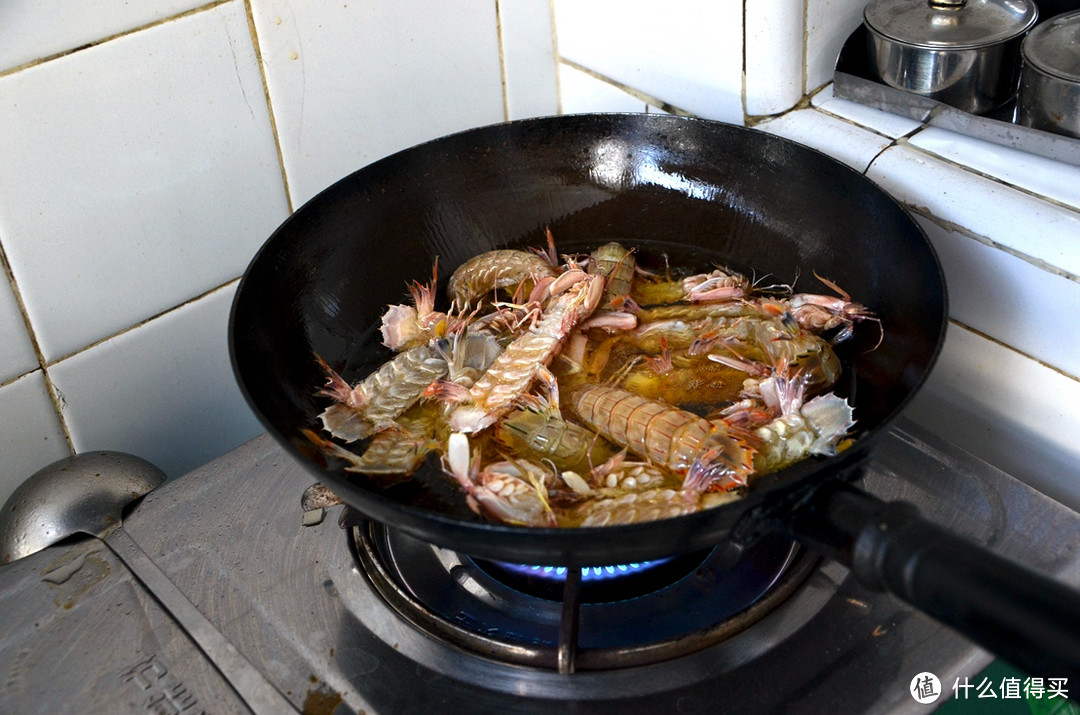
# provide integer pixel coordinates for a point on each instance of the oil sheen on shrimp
(517, 366)
(664, 435)
(509, 491)
(769, 342)
(813, 428)
(543, 434)
(373, 403)
(491, 271)
(639, 506)
(616, 264)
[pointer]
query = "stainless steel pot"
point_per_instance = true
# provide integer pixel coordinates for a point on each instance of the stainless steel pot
(965, 53)
(1050, 81)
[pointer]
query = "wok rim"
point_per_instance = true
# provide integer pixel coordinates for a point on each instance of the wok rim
(415, 520)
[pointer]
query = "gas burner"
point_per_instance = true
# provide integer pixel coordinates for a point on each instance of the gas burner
(593, 618)
(294, 603)
(599, 584)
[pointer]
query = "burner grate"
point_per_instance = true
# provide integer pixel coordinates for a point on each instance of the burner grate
(552, 618)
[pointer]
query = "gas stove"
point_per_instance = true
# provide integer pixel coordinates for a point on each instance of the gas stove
(347, 616)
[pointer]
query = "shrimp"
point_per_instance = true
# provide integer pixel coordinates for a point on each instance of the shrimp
(469, 356)
(372, 404)
(814, 428)
(526, 357)
(543, 433)
(406, 326)
(716, 286)
(688, 445)
(759, 347)
(617, 476)
(511, 492)
(648, 505)
(699, 311)
(819, 313)
(491, 271)
(397, 450)
(649, 338)
(617, 265)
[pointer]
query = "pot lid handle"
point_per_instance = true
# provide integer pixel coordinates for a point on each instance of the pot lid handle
(950, 24)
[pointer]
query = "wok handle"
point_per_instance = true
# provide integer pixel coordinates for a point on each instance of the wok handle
(1026, 618)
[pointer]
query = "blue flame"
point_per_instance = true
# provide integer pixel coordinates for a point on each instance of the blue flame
(588, 573)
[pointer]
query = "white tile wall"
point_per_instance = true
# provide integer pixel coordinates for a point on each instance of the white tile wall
(1042, 231)
(16, 351)
(1008, 298)
(116, 208)
(1009, 410)
(852, 144)
(30, 432)
(343, 75)
(164, 390)
(150, 148)
(1035, 174)
(33, 29)
(582, 92)
(828, 25)
(528, 55)
(774, 51)
(685, 53)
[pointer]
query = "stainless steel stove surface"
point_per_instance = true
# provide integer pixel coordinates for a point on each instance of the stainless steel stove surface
(81, 633)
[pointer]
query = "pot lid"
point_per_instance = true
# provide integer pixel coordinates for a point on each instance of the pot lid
(1054, 46)
(950, 24)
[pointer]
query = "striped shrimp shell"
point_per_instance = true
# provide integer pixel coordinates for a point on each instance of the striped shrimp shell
(617, 264)
(547, 436)
(514, 370)
(649, 505)
(502, 268)
(385, 393)
(654, 430)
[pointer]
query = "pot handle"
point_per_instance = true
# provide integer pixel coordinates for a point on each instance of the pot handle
(1028, 619)
(946, 4)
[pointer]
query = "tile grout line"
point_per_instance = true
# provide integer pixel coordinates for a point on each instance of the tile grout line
(893, 141)
(989, 177)
(742, 87)
(903, 140)
(253, 31)
(110, 38)
(55, 397)
(555, 56)
(635, 93)
(952, 227)
(1012, 348)
(502, 60)
(112, 336)
(806, 50)
(990, 243)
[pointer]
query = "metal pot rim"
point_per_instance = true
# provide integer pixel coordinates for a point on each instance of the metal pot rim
(1039, 51)
(900, 21)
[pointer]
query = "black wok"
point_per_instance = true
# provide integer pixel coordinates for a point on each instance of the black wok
(701, 192)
